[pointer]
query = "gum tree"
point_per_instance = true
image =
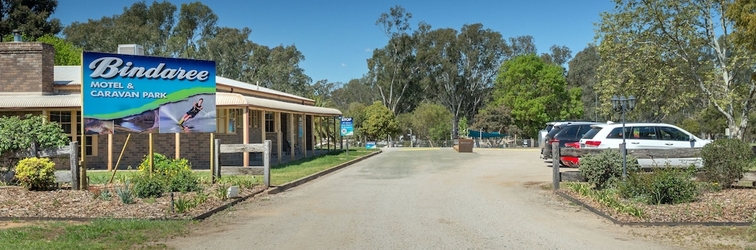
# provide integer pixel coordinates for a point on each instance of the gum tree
(669, 53)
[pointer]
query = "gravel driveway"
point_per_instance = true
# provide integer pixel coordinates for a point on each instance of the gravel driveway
(418, 199)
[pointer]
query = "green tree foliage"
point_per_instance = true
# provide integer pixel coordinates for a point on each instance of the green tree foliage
(277, 68)
(18, 135)
(496, 118)
(321, 93)
(670, 53)
(582, 74)
(150, 26)
(559, 55)
(356, 110)
(431, 122)
(393, 69)
(196, 25)
(743, 14)
(31, 17)
(193, 33)
(461, 66)
(536, 92)
(462, 125)
(404, 121)
(379, 123)
(522, 45)
(65, 52)
(356, 90)
(707, 121)
(230, 46)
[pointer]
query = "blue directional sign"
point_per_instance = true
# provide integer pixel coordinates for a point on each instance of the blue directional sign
(346, 126)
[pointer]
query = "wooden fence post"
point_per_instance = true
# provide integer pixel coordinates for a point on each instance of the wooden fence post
(266, 164)
(216, 171)
(555, 167)
(73, 159)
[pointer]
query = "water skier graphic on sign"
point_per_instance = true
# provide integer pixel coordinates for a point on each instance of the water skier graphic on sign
(196, 108)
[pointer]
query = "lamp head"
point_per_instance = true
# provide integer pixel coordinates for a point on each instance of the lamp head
(631, 103)
(615, 102)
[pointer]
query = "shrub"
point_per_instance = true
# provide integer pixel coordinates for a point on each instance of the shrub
(184, 182)
(148, 186)
(600, 169)
(176, 173)
(18, 134)
(163, 165)
(725, 161)
(662, 186)
(36, 173)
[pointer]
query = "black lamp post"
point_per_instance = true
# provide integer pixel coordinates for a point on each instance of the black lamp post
(622, 104)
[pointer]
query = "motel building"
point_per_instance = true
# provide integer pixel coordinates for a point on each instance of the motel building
(31, 84)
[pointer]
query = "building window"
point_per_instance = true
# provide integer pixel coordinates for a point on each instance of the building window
(66, 123)
(270, 124)
(235, 117)
(63, 118)
(222, 123)
(90, 140)
(254, 116)
(229, 120)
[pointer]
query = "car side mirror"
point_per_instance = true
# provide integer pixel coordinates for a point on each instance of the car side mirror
(691, 138)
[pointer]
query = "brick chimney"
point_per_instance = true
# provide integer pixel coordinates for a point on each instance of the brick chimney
(26, 68)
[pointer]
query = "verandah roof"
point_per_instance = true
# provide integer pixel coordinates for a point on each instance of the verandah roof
(222, 100)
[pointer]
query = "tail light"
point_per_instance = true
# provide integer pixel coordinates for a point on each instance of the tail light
(592, 144)
(572, 144)
(553, 140)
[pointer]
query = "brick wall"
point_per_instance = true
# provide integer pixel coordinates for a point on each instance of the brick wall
(23, 64)
(195, 147)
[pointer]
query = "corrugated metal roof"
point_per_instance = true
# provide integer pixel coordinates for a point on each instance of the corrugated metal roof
(229, 99)
(221, 99)
(234, 99)
(71, 75)
(40, 101)
(253, 87)
(67, 75)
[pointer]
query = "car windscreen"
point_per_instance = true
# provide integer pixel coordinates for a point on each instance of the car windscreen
(591, 133)
(554, 131)
(569, 133)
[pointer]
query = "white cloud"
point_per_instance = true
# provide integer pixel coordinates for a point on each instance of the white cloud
(343, 65)
(368, 50)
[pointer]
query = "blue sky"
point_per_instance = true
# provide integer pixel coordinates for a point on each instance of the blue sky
(338, 36)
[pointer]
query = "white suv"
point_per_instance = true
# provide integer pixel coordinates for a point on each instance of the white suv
(645, 136)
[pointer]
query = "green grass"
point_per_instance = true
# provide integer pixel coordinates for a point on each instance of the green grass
(99, 177)
(292, 171)
(98, 234)
(279, 174)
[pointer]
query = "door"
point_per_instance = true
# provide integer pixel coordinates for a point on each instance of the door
(643, 137)
(670, 137)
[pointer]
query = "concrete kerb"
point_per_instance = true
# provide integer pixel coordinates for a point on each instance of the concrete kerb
(278, 189)
(652, 224)
(207, 214)
(281, 188)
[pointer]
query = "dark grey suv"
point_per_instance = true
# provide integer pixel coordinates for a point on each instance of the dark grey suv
(565, 133)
